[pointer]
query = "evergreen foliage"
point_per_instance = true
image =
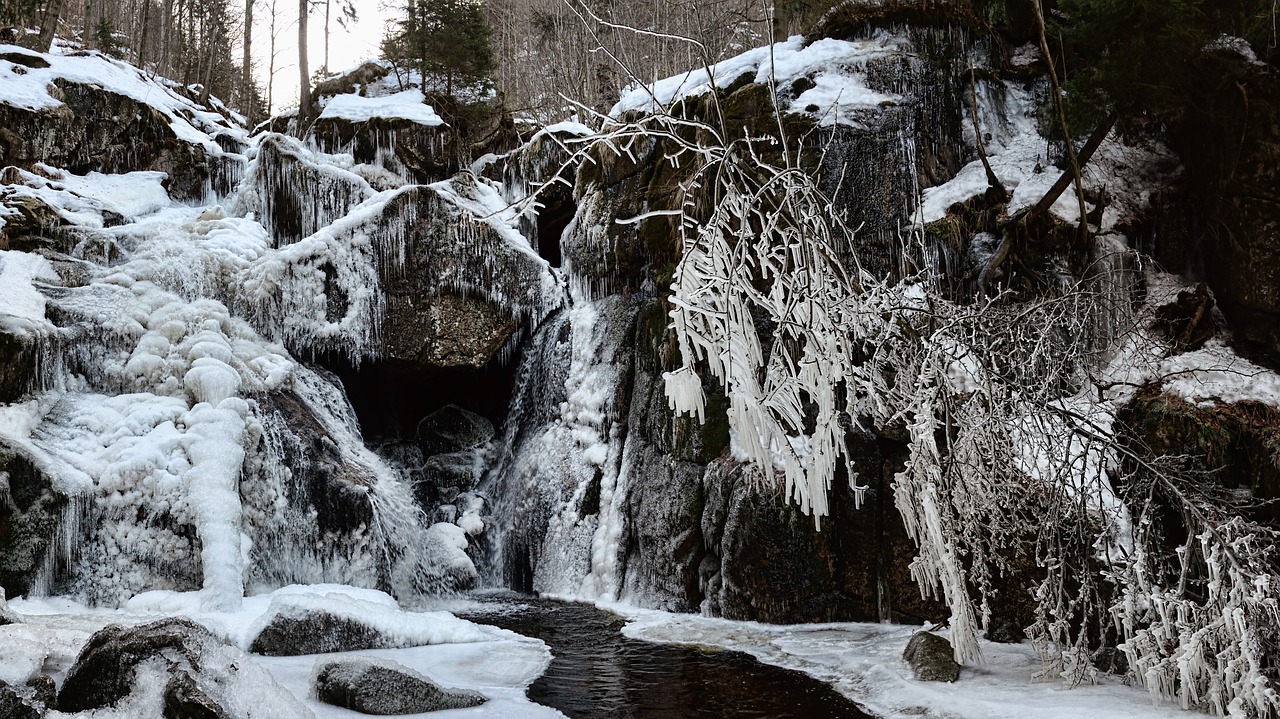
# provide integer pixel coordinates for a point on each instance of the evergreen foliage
(445, 39)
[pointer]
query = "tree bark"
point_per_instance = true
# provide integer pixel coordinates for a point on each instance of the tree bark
(326, 67)
(304, 75)
(49, 24)
(246, 65)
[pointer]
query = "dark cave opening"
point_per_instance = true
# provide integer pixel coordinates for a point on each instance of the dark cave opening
(391, 397)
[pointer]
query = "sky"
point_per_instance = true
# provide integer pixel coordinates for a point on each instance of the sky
(347, 48)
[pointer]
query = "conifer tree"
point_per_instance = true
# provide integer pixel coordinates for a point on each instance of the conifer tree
(445, 39)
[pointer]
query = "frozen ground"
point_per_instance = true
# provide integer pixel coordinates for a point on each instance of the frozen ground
(864, 663)
(455, 653)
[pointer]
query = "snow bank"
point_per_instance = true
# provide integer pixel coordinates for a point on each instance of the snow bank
(1018, 154)
(1216, 374)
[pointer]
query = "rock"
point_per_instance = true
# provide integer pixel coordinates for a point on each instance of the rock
(29, 514)
(316, 632)
(183, 699)
(1233, 444)
(202, 677)
(45, 690)
(931, 658)
(452, 429)
(6, 616)
(103, 673)
(17, 366)
(384, 687)
(13, 707)
(298, 196)
(336, 490)
(84, 134)
(351, 81)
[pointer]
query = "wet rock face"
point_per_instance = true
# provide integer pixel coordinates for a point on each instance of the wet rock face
(931, 658)
(1230, 143)
(386, 688)
(873, 173)
(29, 512)
(335, 490)
(17, 366)
(98, 130)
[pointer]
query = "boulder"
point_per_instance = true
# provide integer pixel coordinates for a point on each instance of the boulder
(202, 677)
(84, 134)
(931, 658)
(384, 688)
(316, 632)
(103, 673)
(12, 705)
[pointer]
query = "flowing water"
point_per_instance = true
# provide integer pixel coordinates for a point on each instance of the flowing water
(597, 673)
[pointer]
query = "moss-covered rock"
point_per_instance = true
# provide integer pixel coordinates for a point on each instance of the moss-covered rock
(1236, 444)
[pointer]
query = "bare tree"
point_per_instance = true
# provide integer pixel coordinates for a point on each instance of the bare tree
(305, 109)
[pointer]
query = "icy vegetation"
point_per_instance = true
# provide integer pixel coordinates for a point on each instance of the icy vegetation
(1007, 402)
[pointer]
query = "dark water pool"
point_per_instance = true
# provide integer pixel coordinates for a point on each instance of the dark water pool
(599, 674)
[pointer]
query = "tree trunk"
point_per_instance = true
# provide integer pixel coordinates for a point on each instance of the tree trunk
(166, 37)
(49, 24)
(326, 67)
(304, 75)
(142, 35)
(271, 61)
(246, 66)
(86, 27)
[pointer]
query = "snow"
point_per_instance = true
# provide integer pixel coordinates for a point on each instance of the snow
(1215, 374)
(864, 663)
(27, 88)
(1017, 153)
(836, 68)
(408, 105)
(452, 652)
(21, 304)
